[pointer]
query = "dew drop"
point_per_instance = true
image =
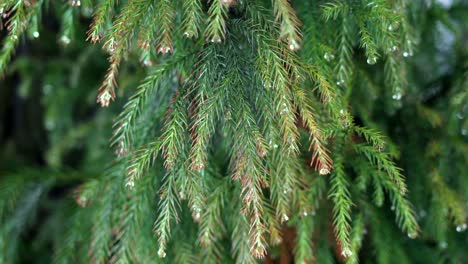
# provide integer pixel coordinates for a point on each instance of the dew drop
(406, 54)
(36, 34)
(293, 45)
(65, 40)
(392, 208)
(304, 213)
(346, 252)
(461, 228)
(328, 56)
(130, 184)
(412, 235)
(161, 253)
(390, 28)
(182, 195)
(324, 170)
(147, 62)
(372, 60)
(397, 96)
(443, 245)
(285, 218)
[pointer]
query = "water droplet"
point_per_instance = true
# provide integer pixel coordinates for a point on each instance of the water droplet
(394, 48)
(182, 195)
(293, 45)
(147, 62)
(340, 82)
(75, 3)
(186, 34)
(130, 184)
(328, 56)
(406, 54)
(422, 213)
(392, 208)
(197, 216)
(461, 228)
(412, 235)
(397, 96)
(216, 39)
(390, 28)
(304, 213)
(284, 110)
(443, 245)
(15, 37)
(372, 60)
(65, 40)
(35, 34)
(324, 170)
(342, 111)
(346, 252)
(161, 253)
(285, 218)
(275, 146)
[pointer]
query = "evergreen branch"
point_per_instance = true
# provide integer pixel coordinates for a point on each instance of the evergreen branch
(174, 135)
(343, 68)
(168, 206)
(165, 16)
(372, 136)
(102, 224)
(333, 10)
(303, 250)
(141, 162)
(209, 103)
(211, 226)
(283, 183)
(285, 15)
(102, 14)
(241, 251)
(405, 216)
(451, 201)
(193, 15)
(383, 162)
(274, 68)
(247, 150)
(320, 158)
(16, 26)
(394, 76)
(216, 28)
(356, 239)
(341, 197)
(118, 44)
(326, 89)
(123, 126)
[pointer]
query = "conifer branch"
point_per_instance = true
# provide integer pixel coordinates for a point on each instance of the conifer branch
(286, 17)
(341, 197)
(383, 162)
(17, 23)
(193, 16)
(216, 28)
(168, 206)
(304, 248)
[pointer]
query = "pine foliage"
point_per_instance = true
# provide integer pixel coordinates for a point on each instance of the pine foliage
(248, 130)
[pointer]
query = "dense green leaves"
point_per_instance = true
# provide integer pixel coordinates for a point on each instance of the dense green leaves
(246, 114)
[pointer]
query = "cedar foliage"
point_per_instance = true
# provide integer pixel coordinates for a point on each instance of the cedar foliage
(296, 131)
